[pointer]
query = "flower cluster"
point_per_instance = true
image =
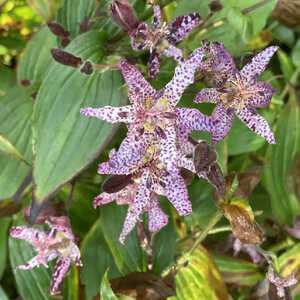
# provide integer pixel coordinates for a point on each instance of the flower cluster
(152, 159)
(58, 243)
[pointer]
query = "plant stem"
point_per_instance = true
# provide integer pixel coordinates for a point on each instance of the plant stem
(213, 221)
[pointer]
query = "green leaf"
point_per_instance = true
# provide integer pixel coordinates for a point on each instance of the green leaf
(71, 284)
(36, 58)
(106, 293)
(3, 295)
(32, 284)
(242, 140)
(7, 81)
(4, 223)
(15, 115)
(285, 64)
(7, 148)
(199, 279)
(128, 257)
(238, 271)
(64, 141)
(279, 161)
(73, 12)
(164, 239)
(96, 258)
(296, 54)
(43, 8)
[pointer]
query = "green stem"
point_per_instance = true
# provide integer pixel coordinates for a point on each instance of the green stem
(292, 81)
(213, 221)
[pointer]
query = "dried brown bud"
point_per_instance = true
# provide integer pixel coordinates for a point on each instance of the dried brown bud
(87, 68)
(123, 14)
(66, 58)
(288, 12)
(204, 156)
(241, 218)
(65, 41)
(187, 176)
(116, 183)
(57, 29)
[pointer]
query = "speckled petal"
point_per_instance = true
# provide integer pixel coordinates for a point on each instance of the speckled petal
(75, 255)
(139, 36)
(136, 82)
(189, 119)
(107, 168)
(168, 151)
(180, 27)
(184, 76)
(187, 163)
(263, 96)
(209, 95)
(251, 71)
(156, 21)
(153, 64)
(173, 52)
(61, 268)
(104, 198)
(157, 219)
(111, 114)
(30, 235)
(175, 190)
(256, 123)
(34, 262)
(141, 200)
(222, 119)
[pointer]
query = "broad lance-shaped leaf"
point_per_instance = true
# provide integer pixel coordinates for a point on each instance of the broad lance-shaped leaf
(73, 13)
(279, 162)
(199, 278)
(106, 293)
(31, 284)
(15, 115)
(64, 141)
(44, 8)
(238, 271)
(7, 148)
(36, 58)
(4, 223)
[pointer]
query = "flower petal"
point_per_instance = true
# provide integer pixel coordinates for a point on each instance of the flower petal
(75, 255)
(174, 52)
(168, 151)
(256, 123)
(184, 76)
(180, 27)
(107, 168)
(34, 262)
(156, 21)
(33, 236)
(153, 64)
(157, 219)
(104, 198)
(189, 119)
(111, 114)
(175, 190)
(136, 82)
(209, 95)
(263, 96)
(222, 119)
(141, 200)
(61, 268)
(251, 71)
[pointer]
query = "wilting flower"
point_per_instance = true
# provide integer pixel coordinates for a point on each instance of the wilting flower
(160, 38)
(238, 247)
(58, 243)
(148, 178)
(152, 116)
(237, 91)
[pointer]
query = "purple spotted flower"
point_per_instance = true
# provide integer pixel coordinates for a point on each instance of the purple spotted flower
(152, 116)
(237, 91)
(149, 178)
(157, 219)
(161, 38)
(58, 243)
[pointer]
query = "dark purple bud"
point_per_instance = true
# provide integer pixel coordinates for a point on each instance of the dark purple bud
(160, 132)
(204, 156)
(84, 25)
(65, 41)
(116, 183)
(215, 5)
(123, 15)
(87, 68)
(25, 82)
(57, 29)
(66, 58)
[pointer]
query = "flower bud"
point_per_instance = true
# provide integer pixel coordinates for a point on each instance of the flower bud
(66, 58)
(124, 15)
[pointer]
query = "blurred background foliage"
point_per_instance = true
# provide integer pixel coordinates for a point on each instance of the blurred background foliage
(49, 152)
